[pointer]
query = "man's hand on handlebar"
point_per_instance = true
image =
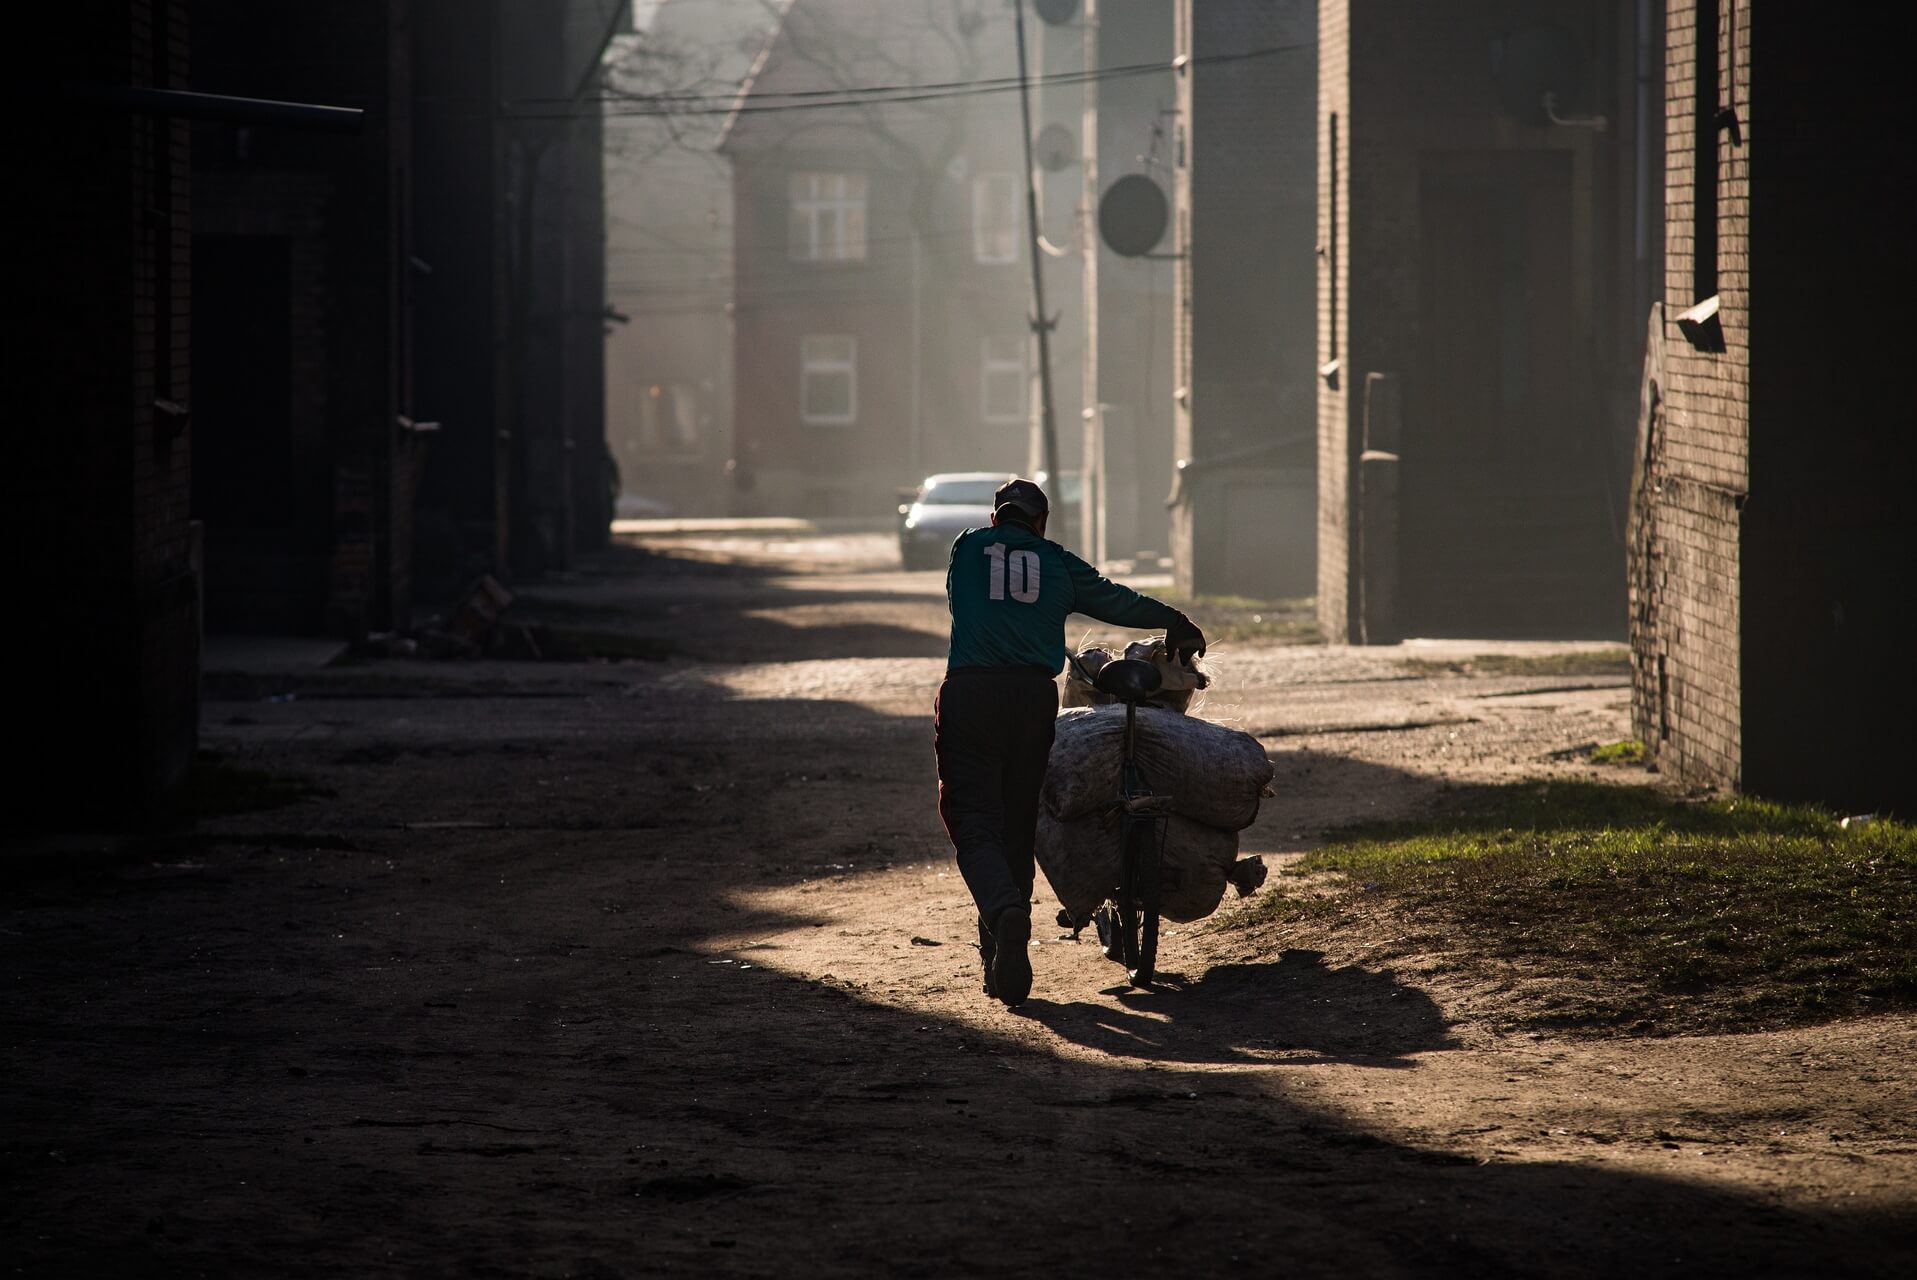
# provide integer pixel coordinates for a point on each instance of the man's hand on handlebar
(1184, 641)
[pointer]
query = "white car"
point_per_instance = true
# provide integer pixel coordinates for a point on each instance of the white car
(948, 504)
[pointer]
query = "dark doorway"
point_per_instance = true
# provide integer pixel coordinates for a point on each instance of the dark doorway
(244, 489)
(1504, 522)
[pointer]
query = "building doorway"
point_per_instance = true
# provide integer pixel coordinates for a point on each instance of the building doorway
(246, 484)
(1504, 521)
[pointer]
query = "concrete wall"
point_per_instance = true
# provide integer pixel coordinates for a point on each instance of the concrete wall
(1470, 245)
(1128, 375)
(1244, 208)
(1830, 532)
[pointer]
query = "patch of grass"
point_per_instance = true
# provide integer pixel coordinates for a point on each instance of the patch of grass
(1651, 913)
(1578, 662)
(1627, 751)
(1244, 619)
(214, 789)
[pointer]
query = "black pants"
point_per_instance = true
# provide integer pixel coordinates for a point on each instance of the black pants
(994, 734)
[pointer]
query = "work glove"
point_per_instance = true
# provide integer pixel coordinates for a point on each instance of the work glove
(1183, 640)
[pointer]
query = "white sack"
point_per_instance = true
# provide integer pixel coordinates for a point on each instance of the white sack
(1214, 775)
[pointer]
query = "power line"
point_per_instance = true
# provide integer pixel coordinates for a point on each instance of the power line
(1008, 82)
(1003, 81)
(873, 95)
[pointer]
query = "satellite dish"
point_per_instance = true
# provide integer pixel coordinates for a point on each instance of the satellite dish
(1054, 148)
(1132, 215)
(1054, 12)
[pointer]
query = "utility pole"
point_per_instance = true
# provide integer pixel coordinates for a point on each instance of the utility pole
(1041, 325)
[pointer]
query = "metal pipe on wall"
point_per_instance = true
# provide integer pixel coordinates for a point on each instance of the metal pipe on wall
(1643, 286)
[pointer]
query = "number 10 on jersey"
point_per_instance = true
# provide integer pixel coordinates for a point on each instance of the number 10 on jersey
(1019, 571)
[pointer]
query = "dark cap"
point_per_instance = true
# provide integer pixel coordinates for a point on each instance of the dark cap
(1023, 496)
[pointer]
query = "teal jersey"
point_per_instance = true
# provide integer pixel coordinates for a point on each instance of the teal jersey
(1010, 591)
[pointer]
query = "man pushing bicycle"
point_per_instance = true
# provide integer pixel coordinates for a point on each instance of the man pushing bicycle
(1010, 590)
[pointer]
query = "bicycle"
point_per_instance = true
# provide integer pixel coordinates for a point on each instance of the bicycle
(1128, 925)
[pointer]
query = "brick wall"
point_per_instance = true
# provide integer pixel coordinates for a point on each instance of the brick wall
(464, 487)
(1693, 473)
(1772, 570)
(337, 556)
(790, 465)
(168, 584)
(1338, 447)
(98, 530)
(919, 304)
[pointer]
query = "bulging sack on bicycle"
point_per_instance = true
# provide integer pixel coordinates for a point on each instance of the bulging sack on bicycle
(1080, 861)
(1215, 775)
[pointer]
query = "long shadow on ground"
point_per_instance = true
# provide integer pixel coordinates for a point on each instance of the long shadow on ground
(1297, 1011)
(503, 1049)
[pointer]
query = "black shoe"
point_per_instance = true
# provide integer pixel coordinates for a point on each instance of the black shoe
(985, 950)
(1011, 966)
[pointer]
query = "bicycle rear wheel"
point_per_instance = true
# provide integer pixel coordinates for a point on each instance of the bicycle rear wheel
(1145, 880)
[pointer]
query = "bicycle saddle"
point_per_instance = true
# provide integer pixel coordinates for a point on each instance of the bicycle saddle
(1128, 679)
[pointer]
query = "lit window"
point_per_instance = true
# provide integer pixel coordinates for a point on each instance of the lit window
(829, 379)
(827, 218)
(1004, 385)
(995, 217)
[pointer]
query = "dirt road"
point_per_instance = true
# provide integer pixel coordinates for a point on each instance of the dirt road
(618, 969)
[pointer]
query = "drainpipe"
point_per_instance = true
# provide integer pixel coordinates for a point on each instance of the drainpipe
(1643, 220)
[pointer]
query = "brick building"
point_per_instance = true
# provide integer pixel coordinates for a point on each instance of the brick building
(1244, 215)
(1772, 547)
(262, 475)
(304, 467)
(1485, 215)
(552, 132)
(102, 546)
(509, 281)
(669, 258)
(880, 279)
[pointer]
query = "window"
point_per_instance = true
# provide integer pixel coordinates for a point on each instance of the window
(826, 222)
(1003, 394)
(829, 379)
(995, 217)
